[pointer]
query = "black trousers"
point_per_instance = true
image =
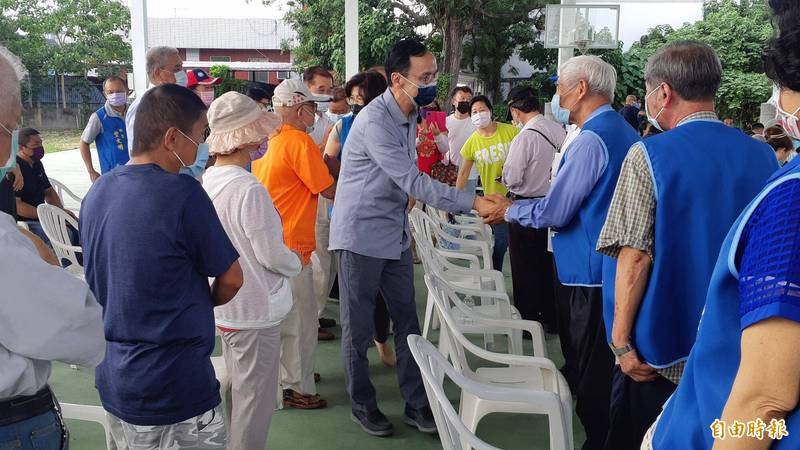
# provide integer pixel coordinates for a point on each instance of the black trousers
(563, 296)
(532, 274)
(595, 364)
(634, 408)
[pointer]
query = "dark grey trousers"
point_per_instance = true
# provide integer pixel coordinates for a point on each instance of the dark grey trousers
(360, 279)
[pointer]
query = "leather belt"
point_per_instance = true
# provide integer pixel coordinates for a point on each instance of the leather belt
(513, 196)
(24, 407)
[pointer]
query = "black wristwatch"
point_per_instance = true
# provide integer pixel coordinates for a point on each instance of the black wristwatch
(619, 351)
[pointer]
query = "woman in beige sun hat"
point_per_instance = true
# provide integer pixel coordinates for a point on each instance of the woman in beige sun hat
(250, 323)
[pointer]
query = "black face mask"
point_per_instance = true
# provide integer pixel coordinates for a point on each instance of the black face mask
(463, 107)
(357, 109)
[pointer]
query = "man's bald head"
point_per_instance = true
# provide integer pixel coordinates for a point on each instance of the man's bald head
(11, 73)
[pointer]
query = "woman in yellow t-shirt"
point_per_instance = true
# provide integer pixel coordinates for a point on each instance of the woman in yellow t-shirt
(487, 148)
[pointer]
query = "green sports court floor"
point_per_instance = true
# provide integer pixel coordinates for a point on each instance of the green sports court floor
(331, 428)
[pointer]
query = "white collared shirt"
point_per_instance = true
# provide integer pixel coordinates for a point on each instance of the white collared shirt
(47, 314)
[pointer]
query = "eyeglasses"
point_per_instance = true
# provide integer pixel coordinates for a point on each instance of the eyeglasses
(355, 100)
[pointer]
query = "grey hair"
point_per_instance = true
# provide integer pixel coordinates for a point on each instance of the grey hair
(157, 58)
(598, 74)
(14, 62)
(691, 68)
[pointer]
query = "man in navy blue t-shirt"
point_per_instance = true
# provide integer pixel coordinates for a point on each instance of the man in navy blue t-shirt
(151, 239)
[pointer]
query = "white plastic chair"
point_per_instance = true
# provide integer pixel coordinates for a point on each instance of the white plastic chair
(54, 221)
(433, 367)
(497, 318)
(88, 413)
(427, 228)
(531, 374)
(64, 192)
(467, 225)
(486, 290)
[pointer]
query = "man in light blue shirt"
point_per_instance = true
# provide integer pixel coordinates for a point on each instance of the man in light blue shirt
(370, 234)
(576, 207)
(164, 66)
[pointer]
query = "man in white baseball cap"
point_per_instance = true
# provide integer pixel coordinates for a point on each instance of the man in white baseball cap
(295, 174)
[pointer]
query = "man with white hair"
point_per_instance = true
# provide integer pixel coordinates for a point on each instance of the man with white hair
(164, 66)
(655, 283)
(47, 314)
(575, 207)
(295, 175)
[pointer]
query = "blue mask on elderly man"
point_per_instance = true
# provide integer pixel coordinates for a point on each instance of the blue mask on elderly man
(12, 156)
(199, 166)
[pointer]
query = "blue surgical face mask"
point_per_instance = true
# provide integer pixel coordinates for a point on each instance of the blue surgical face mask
(561, 115)
(181, 79)
(201, 159)
(425, 94)
(334, 117)
(12, 156)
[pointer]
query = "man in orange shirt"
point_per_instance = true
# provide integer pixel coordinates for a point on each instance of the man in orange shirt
(295, 174)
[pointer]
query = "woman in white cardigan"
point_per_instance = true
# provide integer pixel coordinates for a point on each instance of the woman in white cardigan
(250, 323)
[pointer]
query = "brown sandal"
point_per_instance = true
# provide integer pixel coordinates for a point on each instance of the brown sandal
(293, 399)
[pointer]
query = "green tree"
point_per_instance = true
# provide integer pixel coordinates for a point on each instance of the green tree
(489, 47)
(229, 81)
(737, 31)
(452, 20)
(320, 28)
(66, 36)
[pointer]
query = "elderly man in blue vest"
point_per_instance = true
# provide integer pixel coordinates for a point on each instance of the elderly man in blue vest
(674, 203)
(576, 207)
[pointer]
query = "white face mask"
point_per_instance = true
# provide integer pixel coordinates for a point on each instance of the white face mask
(653, 120)
(785, 119)
(309, 128)
(481, 119)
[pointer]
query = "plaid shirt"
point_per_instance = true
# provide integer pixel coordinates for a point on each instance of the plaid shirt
(631, 216)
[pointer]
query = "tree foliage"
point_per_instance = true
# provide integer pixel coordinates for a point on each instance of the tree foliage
(66, 36)
(320, 28)
(737, 31)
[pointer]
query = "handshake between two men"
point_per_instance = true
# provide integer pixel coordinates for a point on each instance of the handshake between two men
(492, 208)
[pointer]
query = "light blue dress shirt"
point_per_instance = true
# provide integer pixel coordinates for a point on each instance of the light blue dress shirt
(584, 162)
(378, 174)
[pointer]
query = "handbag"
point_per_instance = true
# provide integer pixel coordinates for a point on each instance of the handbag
(445, 173)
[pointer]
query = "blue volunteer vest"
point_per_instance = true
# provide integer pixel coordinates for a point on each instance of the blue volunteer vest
(574, 245)
(714, 360)
(112, 143)
(698, 196)
(347, 123)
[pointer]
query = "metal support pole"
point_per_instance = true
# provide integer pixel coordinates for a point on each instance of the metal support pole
(351, 37)
(139, 44)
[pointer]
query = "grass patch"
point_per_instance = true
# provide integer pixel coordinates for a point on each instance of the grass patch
(58, 140)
